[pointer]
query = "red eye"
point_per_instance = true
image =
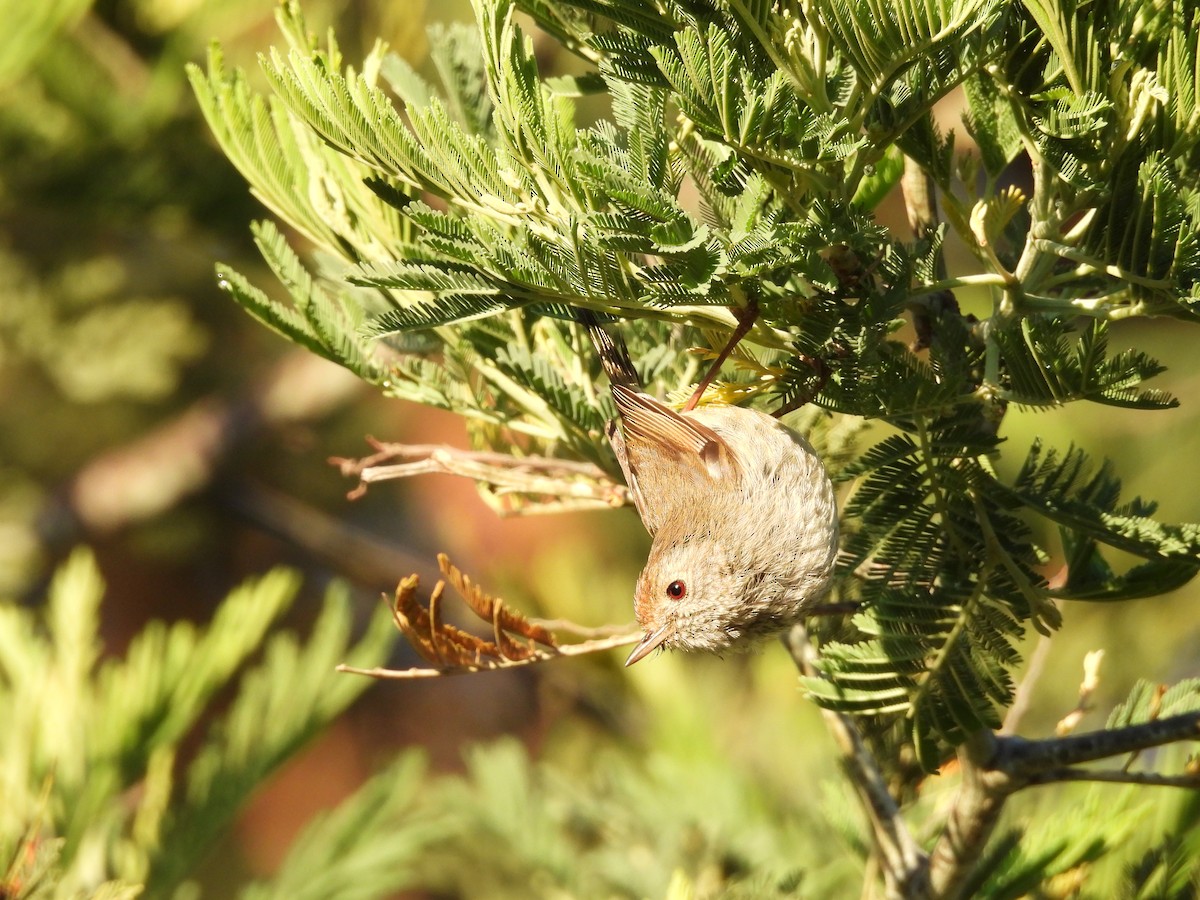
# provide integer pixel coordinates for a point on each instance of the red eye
(676, 590)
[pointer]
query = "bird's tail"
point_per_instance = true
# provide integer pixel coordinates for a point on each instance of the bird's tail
(614, 355)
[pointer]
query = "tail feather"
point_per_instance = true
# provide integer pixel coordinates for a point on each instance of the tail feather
(614, 355)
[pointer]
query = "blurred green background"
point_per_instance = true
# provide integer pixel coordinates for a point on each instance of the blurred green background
(144, 415)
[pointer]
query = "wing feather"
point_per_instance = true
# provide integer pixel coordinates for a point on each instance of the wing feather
(667, 456)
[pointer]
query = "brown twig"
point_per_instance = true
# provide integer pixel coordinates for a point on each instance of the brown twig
(1119, 776)
(1023, 695)
(746, 318)
(573, 485)
(821, 370)
(489, 665)
(584, 631)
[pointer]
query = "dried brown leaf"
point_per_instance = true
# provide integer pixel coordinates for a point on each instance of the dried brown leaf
(492, 609)
(434, 640)
(454, 646)
(514, 649)
(509, 647)
(412, 620)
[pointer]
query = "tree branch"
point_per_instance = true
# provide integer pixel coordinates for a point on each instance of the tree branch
(994, 768)
(977, 806)
(904, 864)
(1027, 760)
(573, 484)
(920, 201)
(1119, 776)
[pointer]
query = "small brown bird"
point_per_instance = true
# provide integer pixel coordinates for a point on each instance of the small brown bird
(741, 511)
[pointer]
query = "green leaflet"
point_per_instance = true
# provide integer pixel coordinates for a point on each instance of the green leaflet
(1047, 366)
(283, 703)
(1148, 701)
(937, 651)
(112, 729)
(1070, 490)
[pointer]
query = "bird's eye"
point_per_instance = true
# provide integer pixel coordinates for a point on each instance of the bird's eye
(676, 590)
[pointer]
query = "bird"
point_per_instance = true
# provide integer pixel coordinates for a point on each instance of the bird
(740, 509)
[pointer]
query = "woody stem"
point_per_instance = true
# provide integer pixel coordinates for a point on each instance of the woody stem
(746, 319)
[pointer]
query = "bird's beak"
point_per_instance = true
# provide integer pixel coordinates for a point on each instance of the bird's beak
(650, 642)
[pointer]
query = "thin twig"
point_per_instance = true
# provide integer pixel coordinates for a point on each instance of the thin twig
(585, 631)
(1151, 715)
(1023, 695)
(385, 451)
(746, 317)
(573, 484)
(1119, 776)
(490, 665)
(843, 608)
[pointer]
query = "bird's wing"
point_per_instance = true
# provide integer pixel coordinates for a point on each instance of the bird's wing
(617, 440)
(667, 457)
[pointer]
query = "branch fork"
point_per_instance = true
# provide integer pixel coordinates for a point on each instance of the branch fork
(993, 767)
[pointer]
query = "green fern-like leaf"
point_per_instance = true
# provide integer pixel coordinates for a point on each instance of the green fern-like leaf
(1148, 230)
(1045, 367)
(90, 750)
(434, 313)
(369, 846)
(947, 577)
(1091, 578)
(1076, 494)
(282, 704)
(1148, 701)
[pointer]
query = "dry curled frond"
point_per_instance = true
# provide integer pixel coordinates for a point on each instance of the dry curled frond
(436, 641)
(412, 618)
(491, 609)
(515, 639)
